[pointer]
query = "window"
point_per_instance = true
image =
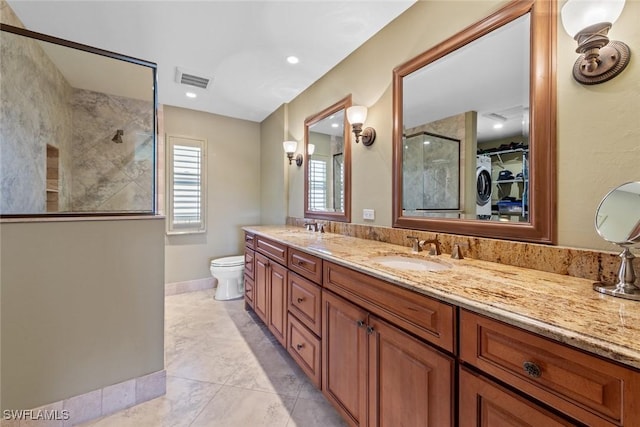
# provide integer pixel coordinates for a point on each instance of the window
(186, 184)
(317, 184)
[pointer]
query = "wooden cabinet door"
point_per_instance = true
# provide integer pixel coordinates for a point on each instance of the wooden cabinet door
(484, 403)
(344, 358)
(410, 382)
(260, 290)
(277, 302)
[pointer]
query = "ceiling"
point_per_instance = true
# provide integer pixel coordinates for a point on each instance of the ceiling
(241, 45)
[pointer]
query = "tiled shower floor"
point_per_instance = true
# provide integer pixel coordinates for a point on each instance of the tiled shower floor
(225, 369)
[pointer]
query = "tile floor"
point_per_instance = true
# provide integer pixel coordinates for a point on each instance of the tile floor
(225, 369)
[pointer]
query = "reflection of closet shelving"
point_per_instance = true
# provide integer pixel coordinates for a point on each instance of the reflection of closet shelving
(52, 188)
(524, 152)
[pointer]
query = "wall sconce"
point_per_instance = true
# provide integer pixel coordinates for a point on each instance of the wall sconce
(588, 22)
(290, 148)
(356, 115)
(310, 149)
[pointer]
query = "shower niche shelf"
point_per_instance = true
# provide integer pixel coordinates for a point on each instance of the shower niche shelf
(52, 187)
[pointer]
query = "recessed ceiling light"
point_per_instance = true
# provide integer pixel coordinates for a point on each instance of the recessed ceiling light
(191, 95)
(334, 125)
(292, 59)
(498, 126)
(427, 142)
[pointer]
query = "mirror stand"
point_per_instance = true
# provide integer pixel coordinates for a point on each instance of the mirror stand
(625, 288)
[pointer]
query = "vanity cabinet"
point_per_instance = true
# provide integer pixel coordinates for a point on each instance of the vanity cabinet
(249, 267)
(484, 403)
(270, 286)
(375, 374)
(379, 368)
(304, 297)
(584, 387)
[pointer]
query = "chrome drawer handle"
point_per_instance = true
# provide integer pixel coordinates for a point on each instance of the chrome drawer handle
(299, 346)
(300, 299)
(533, 370)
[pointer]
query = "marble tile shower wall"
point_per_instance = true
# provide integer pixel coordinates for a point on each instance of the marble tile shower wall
(583, 263)
(29, 79)
(414, 158)
(109, 176)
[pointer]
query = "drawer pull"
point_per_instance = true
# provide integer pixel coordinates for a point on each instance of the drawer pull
(299, 346)
(300, 299)
(532, 369)
(360, 323)
(301, 262)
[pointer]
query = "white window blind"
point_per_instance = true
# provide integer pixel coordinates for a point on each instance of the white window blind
(317, 185)
(186, 185)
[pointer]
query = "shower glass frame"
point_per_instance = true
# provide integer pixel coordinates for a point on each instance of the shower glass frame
(152, 129)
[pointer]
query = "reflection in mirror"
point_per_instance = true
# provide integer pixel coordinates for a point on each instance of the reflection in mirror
(78, 129)
(618, 221)
(327, 169)
(460, 91)
(431, 162)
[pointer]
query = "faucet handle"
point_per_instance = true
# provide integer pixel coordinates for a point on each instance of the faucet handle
(435, 248)
(456, 253)
(320, 228)
(416, 246)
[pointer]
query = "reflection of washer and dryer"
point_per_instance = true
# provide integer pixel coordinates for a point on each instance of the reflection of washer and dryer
(483, 187)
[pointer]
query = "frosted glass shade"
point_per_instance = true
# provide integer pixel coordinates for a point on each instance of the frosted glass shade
(357, 114)
(579, 14)
(311, 149)
(290, 146)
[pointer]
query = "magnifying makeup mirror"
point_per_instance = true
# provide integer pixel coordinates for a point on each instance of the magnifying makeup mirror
(618, 221)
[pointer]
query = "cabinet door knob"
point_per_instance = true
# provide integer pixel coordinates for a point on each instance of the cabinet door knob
(300, 299)
(360, 323)
(370, 330)
(532, 369)
(299, 346)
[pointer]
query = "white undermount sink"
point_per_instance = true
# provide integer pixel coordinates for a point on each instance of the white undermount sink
(406, 263)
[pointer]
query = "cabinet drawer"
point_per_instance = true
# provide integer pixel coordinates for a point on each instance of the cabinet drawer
(583, 386)
(248, 290)
(305, 349)
(305, 302)
(249, 240)
(274, 250)
(305, 265)
(423, 316)
(485, 403)
(249, 264)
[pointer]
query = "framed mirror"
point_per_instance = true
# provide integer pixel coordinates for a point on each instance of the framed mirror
(327, 166)
(492, 88)
(78, 133)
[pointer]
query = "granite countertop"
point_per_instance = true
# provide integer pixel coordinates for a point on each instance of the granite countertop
(562, 308)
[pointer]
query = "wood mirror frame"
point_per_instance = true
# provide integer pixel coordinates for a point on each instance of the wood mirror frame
(541, 227)
(344, 216)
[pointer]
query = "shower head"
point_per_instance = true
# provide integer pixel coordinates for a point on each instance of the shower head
(118, 137)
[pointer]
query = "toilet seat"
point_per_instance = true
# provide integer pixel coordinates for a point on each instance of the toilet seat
(230, 261)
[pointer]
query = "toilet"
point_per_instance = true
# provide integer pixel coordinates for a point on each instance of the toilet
(228, 271)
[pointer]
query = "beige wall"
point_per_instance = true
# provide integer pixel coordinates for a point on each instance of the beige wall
(233, 190)
(82, 307)
(274, 168)
(598, 130)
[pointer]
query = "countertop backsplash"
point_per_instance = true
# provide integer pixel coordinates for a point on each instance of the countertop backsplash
(582, 263)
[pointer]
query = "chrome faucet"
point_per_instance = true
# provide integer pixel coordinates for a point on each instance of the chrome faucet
(311, 226)
(435, 246)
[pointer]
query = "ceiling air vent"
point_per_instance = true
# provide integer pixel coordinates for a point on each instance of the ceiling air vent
(192, 79)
